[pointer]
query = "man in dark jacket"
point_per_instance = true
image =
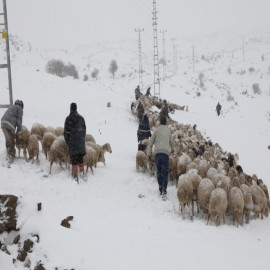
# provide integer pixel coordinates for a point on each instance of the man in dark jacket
(11, 124)
(218, 108)
(74, 133)
(165, 109)
(137, 92)
(143, 132)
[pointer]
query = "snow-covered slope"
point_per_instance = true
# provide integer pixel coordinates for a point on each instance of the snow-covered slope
(112, 226)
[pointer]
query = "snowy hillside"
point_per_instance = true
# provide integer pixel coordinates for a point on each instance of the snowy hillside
(113, 227)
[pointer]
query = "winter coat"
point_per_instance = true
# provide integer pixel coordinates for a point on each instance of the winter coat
(163, 141)
(137, 93)
(165, 110)
(140, 111)
(143, 131)
(74, 133)
(12, 119)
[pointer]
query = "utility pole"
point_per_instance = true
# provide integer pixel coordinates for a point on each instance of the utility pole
(156, 59)
(139, 30)
(164, 54)
(6, 65)
(173, 56)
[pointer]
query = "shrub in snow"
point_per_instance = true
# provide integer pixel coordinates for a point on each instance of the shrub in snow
(113, 67)
(85, 78)
(256, 89)
(229, 96)
(201, 80)
(94, 74)
(251, 69)
(229, 70)
(58, 68)
(70, 70)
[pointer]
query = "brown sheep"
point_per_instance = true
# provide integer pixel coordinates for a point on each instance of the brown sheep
(22, 140)
(33, 148)
(58, 152)
(38, 129)
(89, 138)
(236, 204)
(59, 131)
(47, 140)
(90, 158)
(217, 205)
(141, 160)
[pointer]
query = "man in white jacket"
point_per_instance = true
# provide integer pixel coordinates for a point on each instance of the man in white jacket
(164, 145)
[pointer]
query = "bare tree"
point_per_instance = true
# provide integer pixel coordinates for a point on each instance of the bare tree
(113, 67)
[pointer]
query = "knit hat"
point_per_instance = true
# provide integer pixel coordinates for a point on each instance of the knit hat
(73, 107)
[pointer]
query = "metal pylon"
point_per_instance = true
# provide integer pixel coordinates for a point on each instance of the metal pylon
(156, 58)
(7, 65)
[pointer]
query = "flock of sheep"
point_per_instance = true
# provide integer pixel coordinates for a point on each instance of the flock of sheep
(55, 148)
(205, 175)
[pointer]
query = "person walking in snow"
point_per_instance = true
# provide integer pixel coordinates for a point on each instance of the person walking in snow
(11, 124)
(137, 92)
(165, 109)
(164, 145)
(218, 109)
(74, 133)
(143, 131)
(147, 94)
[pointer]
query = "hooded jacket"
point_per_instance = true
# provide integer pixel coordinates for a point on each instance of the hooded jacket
(12, 119)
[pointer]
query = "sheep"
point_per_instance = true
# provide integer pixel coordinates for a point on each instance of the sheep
(89, 138)
(173, 169)
(211, 172)
(248, 202)
(204, 190)
(141, 160)
(217, 205)
(259, 200)
(38, 129)
(47, 140)
(236, 204)
(182, 163)
(90, 158)
(203, 168)
(58, 131)
(58, 152)
(22, 140)
(195, 179)
(101, 150)
(33, 148)
(49, 129)
(185, 195)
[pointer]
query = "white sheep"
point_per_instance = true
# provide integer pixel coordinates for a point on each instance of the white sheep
(58, 152)
(22, 140)
(185, 195)
(248, 202)
(182, 163)
(38, 129)
(217, 205)
(89, 138)
(236, 204)
(260, 206)
(33, 148)
(141, 160)
(90, 158)
(47, 140)
(205, 188)
(58, 131)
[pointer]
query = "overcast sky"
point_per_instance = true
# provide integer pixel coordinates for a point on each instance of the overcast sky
(64, 23)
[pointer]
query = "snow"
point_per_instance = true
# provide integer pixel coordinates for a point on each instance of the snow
(113, 227)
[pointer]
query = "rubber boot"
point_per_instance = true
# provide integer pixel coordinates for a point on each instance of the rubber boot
(75, 172)
(81, 168)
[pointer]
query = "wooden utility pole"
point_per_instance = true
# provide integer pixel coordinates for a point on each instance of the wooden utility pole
(139, 30)
(7, 65)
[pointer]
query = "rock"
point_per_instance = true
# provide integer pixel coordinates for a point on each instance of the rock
(65, 222)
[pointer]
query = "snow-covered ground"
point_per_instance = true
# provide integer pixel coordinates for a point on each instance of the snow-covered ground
(112, 227)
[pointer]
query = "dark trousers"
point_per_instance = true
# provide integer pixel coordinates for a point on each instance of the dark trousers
(162, 165)
(10, 143)
(77, 159)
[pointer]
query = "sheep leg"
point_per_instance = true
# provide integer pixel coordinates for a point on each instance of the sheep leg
(50, 168)
(192, 210)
